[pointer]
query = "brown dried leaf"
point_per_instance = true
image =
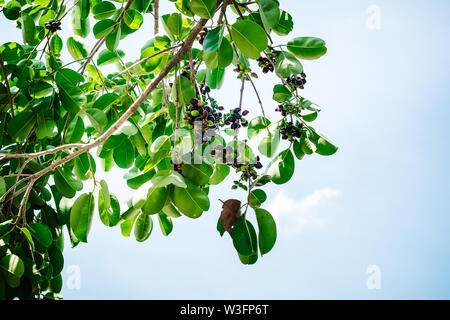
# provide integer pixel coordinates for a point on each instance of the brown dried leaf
(230, 213)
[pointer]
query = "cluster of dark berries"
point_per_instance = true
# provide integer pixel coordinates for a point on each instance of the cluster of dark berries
(288, 108)
(198, 111)
(176, 166)
(289, 131)
(204, 89)
(266, 64)
(202, 35)
(297, 81)
(227, 155)
(53, 25)
(235, 118)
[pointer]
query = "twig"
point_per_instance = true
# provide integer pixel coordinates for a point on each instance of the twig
(260, 103)
(156, 16)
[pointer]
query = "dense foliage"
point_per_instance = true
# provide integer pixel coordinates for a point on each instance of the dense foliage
(156, 117)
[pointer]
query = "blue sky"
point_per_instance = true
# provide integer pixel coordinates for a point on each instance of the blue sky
(381, 200)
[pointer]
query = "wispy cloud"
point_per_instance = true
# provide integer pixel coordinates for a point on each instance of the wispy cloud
(294, 215)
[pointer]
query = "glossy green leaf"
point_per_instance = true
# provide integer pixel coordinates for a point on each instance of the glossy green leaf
(156, 199)
(267, 230)
(256, 198)
(204, 8)
(166, 177)
(269, 144)
(124, 155)
(56, 259)
(256, 125)
(41, 233)
(244, 237)
(281, 93)
(143, 227)
(103, 10)
(165, 223)
(285, 24)
(81, 216)
(249, 37)
(133, 19)
(221, 171)
(270, 12)
(28, 28)
(287, 64)
(106, 57)
(97, 118)
(13, 265)
(197, 173)
(103, 28)
(307, 48)
(282, 167)
(191, 201)
(77, 47)
(20, 127)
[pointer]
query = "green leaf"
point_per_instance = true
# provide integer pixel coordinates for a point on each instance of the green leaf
(267, 230)
(173, 24)
(215, 77)
(213, 39)
(27, 234)
(204, 8)
(113, 39)
(105, 101)
(56, 259)
(191, 201)
(28, 28)
(56, 44)
(103, 10)
(97, 118)
(143, 228)
(166, 177)
(287, 64)
(85, 8)
(46, 127)
(270, 12)
(56, 284)
(68, 75)
(296, 147)
(13, 266)
(77, 47)
(307, 48)
(282, 167)
(81, 216)
(42, 234)
(72, 98)
(221, 171)
(256, 198)
(133, 19)
(281, 93)
(106, 57)
(171, 211)
(156, 199)
(165, 223)
(20, 127)
(186, 91)
(109, 216)
(248, 260)
(244, 237)
(66, 183)
(249, 37)
(269, 144)
(103, 28)
(285, 24)
(80, 26)
(324, 146)
(197, 173)
(158, 150)
(124, 155)
(75, 130)
(310, 116)
(12, 10)
(221, 58)
(256, 125)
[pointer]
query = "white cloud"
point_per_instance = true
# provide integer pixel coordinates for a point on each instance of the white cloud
(294, 215)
